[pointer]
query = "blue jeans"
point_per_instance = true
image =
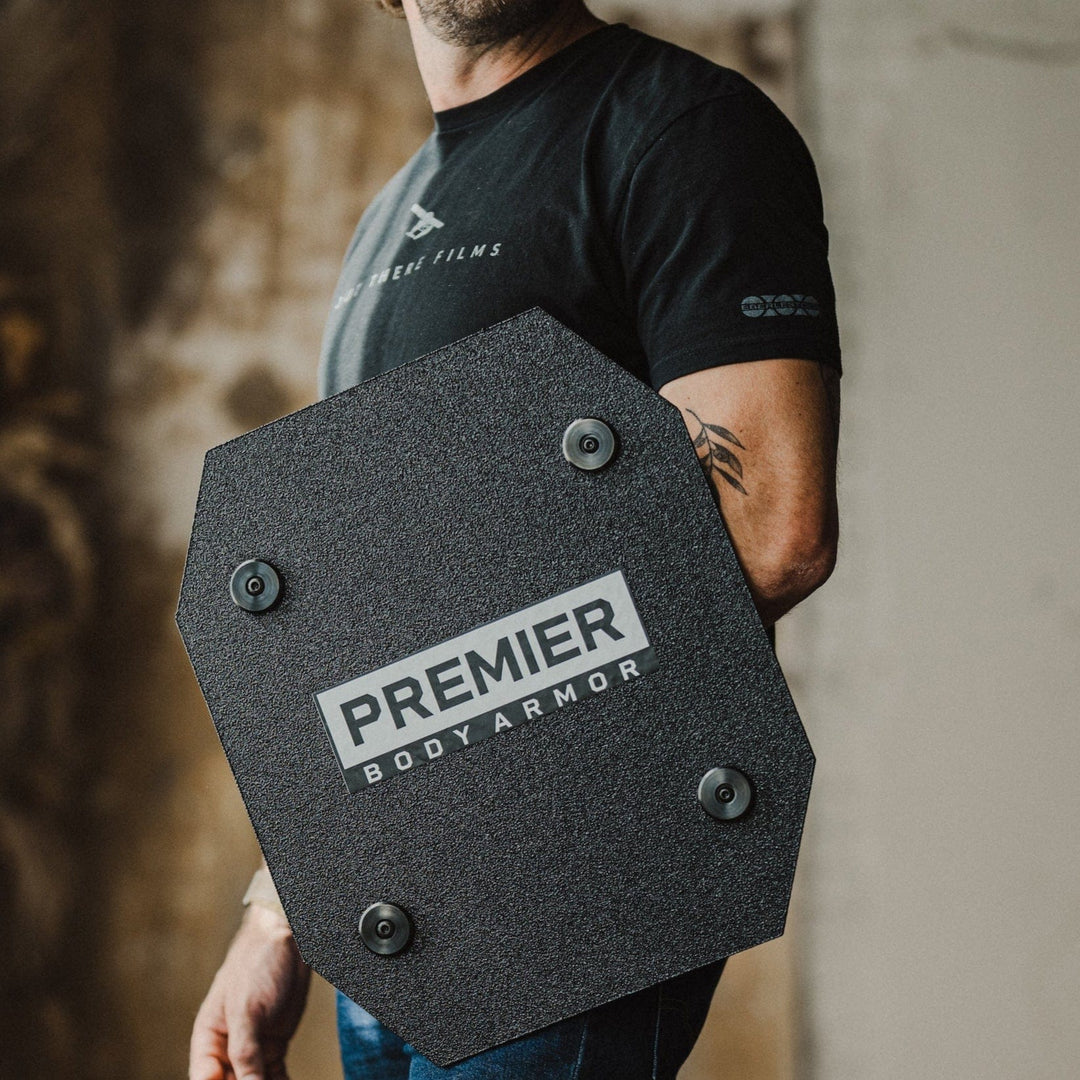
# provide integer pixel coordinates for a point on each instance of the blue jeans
(645, 1036)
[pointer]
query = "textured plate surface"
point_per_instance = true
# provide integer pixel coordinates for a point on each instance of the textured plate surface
(559, 863)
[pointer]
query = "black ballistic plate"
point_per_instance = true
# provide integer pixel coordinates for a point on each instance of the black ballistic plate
(490, 688)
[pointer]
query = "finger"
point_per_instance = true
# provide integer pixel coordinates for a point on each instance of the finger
(207, 1059)
(206, 1067)
(245, 1053)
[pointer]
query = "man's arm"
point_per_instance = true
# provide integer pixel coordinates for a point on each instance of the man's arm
(765, 432)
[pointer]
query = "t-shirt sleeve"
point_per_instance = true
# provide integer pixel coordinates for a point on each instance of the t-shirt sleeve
(723, 241)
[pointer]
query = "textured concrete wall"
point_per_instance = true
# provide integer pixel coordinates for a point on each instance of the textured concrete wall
(939, 669)
(59, 278)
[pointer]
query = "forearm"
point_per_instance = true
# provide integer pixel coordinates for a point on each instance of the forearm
(765, 435)
(784, 529)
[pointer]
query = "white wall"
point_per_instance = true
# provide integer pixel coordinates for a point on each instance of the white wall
(939, 671)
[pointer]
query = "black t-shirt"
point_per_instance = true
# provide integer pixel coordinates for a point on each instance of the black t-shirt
(659, 205)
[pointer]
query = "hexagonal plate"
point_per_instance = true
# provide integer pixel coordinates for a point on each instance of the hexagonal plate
(560, 862)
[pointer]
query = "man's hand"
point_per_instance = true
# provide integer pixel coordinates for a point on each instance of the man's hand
(765, 433)
(254, 1004)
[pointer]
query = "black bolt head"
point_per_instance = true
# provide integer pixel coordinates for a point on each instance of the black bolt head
(255, 586)
(385, 929)
(725, 794)
(588, 443)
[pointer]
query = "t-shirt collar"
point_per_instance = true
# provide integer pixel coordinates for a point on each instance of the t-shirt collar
(526, 84)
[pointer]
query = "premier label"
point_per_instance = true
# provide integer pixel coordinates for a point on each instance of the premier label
(488, 680)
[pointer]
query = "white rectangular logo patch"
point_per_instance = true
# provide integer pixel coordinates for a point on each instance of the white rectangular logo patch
(488, 680)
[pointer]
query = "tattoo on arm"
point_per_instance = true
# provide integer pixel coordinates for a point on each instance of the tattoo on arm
(718, 459)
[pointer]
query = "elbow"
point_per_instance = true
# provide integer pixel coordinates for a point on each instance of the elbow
(790, 568)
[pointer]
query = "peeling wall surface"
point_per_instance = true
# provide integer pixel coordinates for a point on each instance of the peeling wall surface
(938, 671)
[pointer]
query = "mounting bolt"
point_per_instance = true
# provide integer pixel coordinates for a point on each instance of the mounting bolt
(255, 586)
(725, 794)
(385, 929)
(588, 444)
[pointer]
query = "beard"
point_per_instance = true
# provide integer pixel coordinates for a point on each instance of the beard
(484, 22)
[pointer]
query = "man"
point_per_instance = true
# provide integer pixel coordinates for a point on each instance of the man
(664, 209)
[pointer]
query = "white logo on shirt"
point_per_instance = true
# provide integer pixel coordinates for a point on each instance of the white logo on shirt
(427, 222)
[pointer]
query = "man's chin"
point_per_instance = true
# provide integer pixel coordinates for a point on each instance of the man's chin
(473, 23)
